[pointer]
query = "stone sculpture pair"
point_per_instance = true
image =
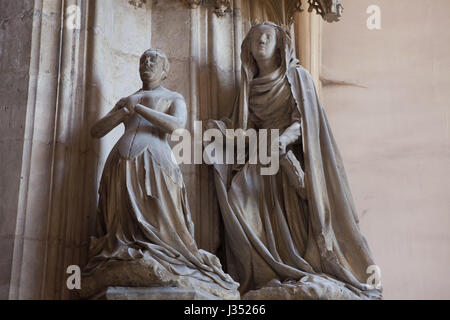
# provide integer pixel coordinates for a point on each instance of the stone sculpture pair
(292, 235)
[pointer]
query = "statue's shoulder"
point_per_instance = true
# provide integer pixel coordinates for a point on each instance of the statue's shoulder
(298, 68)
(299, 71)
(173, 95)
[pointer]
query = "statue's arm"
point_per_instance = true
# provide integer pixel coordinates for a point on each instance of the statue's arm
(168, 122)
(291, 135)
(115, 117)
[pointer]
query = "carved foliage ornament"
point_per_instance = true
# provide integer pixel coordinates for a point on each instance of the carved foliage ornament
(193, 4)
(222, 7)
(282, 12)
(330, 10)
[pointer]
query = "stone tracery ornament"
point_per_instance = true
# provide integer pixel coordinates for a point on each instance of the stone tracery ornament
(223, 7)
(193, 4)
(282, 10)
(293, 7)
(330, 10)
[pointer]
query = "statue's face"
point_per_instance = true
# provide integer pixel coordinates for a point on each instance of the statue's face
(151, 67)
(264, 42)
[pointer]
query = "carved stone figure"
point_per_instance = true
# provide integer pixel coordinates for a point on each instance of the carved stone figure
(145, 235)
(293, 235)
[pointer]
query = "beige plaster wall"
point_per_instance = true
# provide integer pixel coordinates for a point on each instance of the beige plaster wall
(393, 132)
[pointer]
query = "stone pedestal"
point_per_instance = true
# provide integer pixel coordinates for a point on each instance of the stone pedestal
(146, 276)
(158, 293)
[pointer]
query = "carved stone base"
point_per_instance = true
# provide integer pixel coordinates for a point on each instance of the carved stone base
(311, 287)
(162, 293)
(150, 274)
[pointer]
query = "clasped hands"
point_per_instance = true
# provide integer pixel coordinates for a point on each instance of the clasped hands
(130, 107)
(127, 105)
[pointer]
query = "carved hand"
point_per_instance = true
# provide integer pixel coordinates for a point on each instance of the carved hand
(283, 144)
(109, 122)
(174, 119)
(290, 136)
(125, 103)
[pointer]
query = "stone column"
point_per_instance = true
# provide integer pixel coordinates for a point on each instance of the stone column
(16, 25)
(30, 241)
(308, 38)
(49, 194)
(77, 72)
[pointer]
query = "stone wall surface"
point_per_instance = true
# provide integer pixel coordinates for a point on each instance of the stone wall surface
(16, 18)
(61, 79)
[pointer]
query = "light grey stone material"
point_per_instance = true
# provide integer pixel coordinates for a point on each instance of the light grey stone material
(330, 10)
(159, 293)
(148, 272)
(293, 234)
(16, 22)
(145, 233)
(311, 287)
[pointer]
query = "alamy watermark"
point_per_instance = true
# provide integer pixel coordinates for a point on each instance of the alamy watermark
(74, 280)
(228, 147)
(374, 19)
(374, 280)
(73, 17)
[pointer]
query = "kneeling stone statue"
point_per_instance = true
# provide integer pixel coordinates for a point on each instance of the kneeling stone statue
(145, 234)
(294, 234)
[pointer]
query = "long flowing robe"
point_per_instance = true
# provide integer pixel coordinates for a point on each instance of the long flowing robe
(143, 215)
(271, 232)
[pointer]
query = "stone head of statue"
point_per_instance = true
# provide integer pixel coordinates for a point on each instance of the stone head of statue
(264, 42)
(154, 66)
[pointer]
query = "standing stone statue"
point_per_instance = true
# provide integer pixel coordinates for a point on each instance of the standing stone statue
(145, 235)
(295, 234)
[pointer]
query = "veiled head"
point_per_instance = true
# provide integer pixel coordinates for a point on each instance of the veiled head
(264, 41)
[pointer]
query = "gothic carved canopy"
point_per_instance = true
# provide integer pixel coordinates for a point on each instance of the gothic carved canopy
(281, 10)
(330, 10)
